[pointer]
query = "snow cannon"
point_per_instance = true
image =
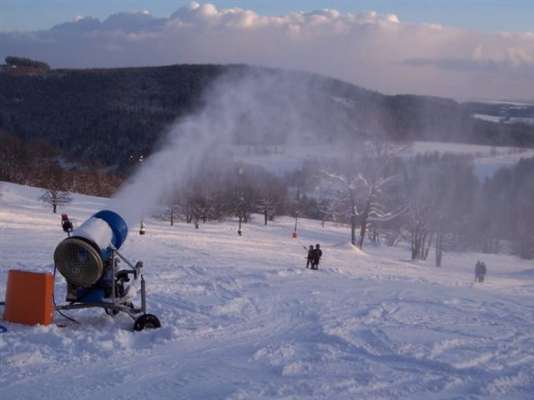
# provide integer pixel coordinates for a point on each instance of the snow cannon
(81, 257)
(89, 261)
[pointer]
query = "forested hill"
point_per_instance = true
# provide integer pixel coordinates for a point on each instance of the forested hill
(110, 116)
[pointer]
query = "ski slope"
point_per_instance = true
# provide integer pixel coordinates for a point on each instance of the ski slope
(243, 319)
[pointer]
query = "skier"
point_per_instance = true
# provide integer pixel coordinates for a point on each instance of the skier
(66, 224)
(477, 270)
(480, 271)
(309, 259)
(317, 254)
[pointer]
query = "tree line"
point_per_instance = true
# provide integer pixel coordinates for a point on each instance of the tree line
(36, 163)
(434, 202)
(108, 114)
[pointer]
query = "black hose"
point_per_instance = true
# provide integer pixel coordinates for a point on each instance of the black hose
(55, 305)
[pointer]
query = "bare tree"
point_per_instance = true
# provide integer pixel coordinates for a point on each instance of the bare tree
(440, 190)
(362, 186)
(56, 198)
(271, 194)
(55, 194)
(326, 210)
(173, 206)
(200, 206)
(419, 217)
(171, 213)
(421, 183)
(267, 206)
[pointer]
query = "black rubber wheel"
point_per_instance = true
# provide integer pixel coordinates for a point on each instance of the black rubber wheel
(146, 321)
(111, 311)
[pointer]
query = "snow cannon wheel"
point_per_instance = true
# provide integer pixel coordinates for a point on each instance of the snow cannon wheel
(111, 311)
(146, 321)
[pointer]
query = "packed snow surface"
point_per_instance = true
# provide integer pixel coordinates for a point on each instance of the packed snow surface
(243, 319)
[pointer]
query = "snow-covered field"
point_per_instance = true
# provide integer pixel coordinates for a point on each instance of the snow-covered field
(243, 319)
(505, 120)
(486, 159)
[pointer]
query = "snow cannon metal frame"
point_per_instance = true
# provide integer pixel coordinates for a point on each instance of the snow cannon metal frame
(89, 261)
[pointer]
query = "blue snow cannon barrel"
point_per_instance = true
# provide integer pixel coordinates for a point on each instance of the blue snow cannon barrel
(82, 257)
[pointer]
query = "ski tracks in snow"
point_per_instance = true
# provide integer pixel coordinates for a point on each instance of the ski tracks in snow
(243, 319)
(291, 333)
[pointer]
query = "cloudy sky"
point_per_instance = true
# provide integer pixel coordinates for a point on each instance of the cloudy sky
(462, 49)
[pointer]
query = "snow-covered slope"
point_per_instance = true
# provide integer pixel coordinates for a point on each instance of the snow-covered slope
(243, 319)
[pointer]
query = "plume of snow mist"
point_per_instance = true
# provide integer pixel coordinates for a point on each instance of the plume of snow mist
(244, 108)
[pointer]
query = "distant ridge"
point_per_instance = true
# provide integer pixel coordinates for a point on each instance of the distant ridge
(110, 115)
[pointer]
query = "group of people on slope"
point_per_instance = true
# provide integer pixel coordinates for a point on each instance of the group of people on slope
(314, 253)
(314, 256)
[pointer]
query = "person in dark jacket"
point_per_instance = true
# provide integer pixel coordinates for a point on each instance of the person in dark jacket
(480, 271)
(477, 270)
(309, 259)
(317, 254)
(66, 224)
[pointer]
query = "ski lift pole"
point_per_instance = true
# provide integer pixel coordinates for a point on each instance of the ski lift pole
(241, 205)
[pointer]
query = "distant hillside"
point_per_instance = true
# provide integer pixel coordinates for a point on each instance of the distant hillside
(104, 115)
(111, 116)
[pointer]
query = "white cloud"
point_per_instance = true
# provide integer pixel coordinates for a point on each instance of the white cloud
(373, 50)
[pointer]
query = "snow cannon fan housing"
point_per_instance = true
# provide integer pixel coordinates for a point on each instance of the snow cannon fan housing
(82, 257)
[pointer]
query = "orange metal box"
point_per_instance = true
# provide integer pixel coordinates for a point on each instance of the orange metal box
(29, 298)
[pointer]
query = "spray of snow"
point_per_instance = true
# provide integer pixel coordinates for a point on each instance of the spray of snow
(247, 107)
